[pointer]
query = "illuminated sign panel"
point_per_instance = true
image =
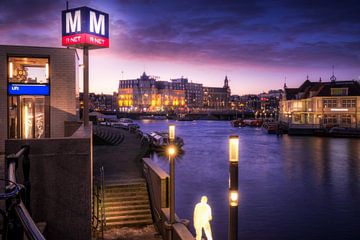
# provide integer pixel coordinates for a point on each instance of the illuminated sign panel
(85, 27)
(28, 89)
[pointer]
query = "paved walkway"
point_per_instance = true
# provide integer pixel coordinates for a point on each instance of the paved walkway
(122, 163)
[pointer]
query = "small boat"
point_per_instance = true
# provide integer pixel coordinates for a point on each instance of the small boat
(246, 122)
(153, 117)
(271, 127)
(161, 140)
(237, 123)
(124, 123)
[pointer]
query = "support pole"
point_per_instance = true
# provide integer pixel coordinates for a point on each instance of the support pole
(233, 210)
(86, 86)
(172, 190)
(233, 186)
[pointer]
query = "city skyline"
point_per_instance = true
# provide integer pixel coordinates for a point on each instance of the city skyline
(257, 45)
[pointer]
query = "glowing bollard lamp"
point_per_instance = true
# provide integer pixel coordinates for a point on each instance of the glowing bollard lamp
(233, 187)
(171, 151)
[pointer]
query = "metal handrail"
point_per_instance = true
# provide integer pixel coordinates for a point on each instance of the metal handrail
(31, 230)
(13, 193)
(99, 216)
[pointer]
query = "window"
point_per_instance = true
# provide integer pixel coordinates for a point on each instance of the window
(339, 91)
(348, 103)
(330, 103)
(330, 119)
(346, 120)
(28, 70)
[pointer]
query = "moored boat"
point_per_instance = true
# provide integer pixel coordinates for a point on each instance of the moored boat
(160, 140)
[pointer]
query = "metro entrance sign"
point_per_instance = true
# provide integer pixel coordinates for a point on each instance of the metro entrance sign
(85, 27)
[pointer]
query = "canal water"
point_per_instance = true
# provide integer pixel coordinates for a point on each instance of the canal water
(290, 187)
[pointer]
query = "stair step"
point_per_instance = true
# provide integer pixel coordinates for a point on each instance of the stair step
(129, 223)
(128, 217)
(126, 194)
(126, 203)
(124, 183)
(126, 198)
(125, 208)
(126, 190)
(128, 212)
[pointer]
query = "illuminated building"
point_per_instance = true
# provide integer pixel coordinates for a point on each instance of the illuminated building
(101, 102)
(193, 92)
(145, 94)
(322, 104)
(217, 98)
(39, 91)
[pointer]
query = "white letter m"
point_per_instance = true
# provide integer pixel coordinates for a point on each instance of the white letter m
(98, 25)
(73, 24)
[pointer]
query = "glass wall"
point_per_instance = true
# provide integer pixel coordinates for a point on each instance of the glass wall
(26, 108)
(28, 70)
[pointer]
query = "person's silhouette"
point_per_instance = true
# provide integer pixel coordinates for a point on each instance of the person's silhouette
(202, 218)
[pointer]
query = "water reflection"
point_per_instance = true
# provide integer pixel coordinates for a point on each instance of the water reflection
(291, 187)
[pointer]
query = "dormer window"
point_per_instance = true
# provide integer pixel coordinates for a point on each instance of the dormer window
(339, 91)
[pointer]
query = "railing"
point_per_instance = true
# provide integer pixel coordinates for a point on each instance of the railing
(98, 211)
(17, 218)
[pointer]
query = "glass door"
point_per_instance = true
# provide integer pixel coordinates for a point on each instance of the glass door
(27, 117)
(32, 117)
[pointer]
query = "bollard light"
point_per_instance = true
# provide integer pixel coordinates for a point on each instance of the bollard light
(171, 151)
(233, 186)
(234, 148)
(172, 132)
(233, 198)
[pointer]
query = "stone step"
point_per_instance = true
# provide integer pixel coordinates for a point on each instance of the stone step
(125, 208)
(129, 223)
(125, 190)
(124, 184)
(128, 218)
(128, 212)
(125, 194)
(126, 198)
(126, 203)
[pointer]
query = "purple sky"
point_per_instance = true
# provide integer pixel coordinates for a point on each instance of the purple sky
(256, 43)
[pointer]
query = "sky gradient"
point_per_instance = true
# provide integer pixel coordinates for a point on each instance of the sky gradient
(257, 44)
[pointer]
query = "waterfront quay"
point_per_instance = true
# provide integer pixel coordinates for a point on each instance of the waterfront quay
(290, 187)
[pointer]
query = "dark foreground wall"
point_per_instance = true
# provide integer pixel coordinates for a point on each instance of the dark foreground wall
(61, 180)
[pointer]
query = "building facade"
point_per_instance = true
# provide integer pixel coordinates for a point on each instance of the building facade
(38, 91)
(322, 104)
(193, 92)
(217, 98)
(145, 94)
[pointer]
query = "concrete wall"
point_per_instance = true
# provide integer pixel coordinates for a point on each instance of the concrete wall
(61, 183)
(63, 85)
(158, 187)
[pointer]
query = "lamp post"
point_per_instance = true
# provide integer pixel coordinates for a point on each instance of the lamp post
(172, 153)
(86, 86)
(233, 186)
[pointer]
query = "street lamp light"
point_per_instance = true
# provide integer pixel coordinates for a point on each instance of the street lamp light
(171, 132)
(233, 186)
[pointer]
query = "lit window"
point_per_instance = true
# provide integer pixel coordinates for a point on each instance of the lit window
(339, 91)
(28, 70)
